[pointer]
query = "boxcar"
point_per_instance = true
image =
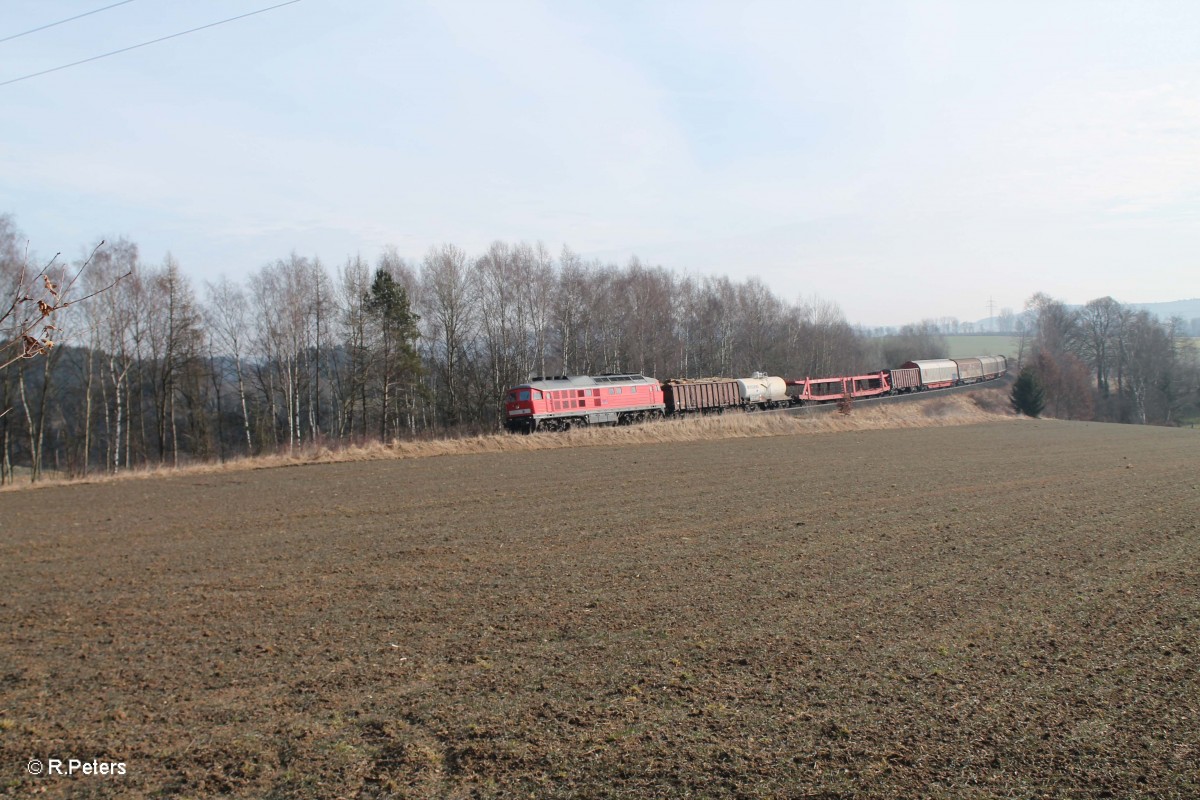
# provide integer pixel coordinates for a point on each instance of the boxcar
(936, 373)
(993, 366)
(970, 370)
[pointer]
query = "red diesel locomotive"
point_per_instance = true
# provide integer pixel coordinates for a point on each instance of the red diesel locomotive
(572, 401)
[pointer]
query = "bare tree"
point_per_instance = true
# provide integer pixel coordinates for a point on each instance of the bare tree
(353, 286)
(283, 300)
(1099, 321)
(226, 315)
(117, 320)
(449, 314)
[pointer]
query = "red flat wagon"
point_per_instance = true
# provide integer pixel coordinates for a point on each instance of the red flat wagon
(827, 390)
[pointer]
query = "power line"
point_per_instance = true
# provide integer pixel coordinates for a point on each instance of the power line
(62, 21)
(145, 44)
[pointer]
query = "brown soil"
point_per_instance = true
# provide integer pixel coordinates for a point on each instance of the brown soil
(1001, 610)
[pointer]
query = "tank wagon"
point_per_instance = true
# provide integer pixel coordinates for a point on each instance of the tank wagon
(762, 392)
(563, 402)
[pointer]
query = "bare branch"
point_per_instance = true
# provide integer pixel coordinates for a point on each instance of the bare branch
(52, 299)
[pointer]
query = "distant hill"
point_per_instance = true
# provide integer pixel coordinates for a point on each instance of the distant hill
(1187, 309)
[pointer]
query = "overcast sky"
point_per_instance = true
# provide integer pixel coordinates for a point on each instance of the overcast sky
(902, 159)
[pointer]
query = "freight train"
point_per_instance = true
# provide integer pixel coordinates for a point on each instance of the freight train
(563, 402)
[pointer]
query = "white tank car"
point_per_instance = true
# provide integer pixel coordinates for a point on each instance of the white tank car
(764, 391)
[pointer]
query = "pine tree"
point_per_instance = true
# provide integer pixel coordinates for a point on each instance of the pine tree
(398, 362)
(1028, 398)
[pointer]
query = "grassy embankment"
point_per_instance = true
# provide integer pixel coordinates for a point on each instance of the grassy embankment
(987, 405)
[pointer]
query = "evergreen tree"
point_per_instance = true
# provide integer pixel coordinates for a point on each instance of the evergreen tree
(1028, 398)
(398, 364)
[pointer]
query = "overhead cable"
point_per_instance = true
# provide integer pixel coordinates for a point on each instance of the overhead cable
(145, 44)
(61, 21)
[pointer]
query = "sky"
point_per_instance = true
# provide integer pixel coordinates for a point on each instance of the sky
(905, 160)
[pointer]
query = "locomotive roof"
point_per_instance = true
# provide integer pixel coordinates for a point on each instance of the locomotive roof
(550, 383)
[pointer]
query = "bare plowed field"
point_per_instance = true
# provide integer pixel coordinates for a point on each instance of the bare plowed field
(1003, 610)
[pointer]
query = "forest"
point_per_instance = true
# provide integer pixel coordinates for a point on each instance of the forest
(153, 369)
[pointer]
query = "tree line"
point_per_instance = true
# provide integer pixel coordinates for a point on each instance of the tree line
(1109, 362)
(155, 369)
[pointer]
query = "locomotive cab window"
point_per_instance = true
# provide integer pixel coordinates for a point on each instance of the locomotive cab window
(523, 395)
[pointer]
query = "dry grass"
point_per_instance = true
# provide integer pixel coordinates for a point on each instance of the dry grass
(986, 405)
